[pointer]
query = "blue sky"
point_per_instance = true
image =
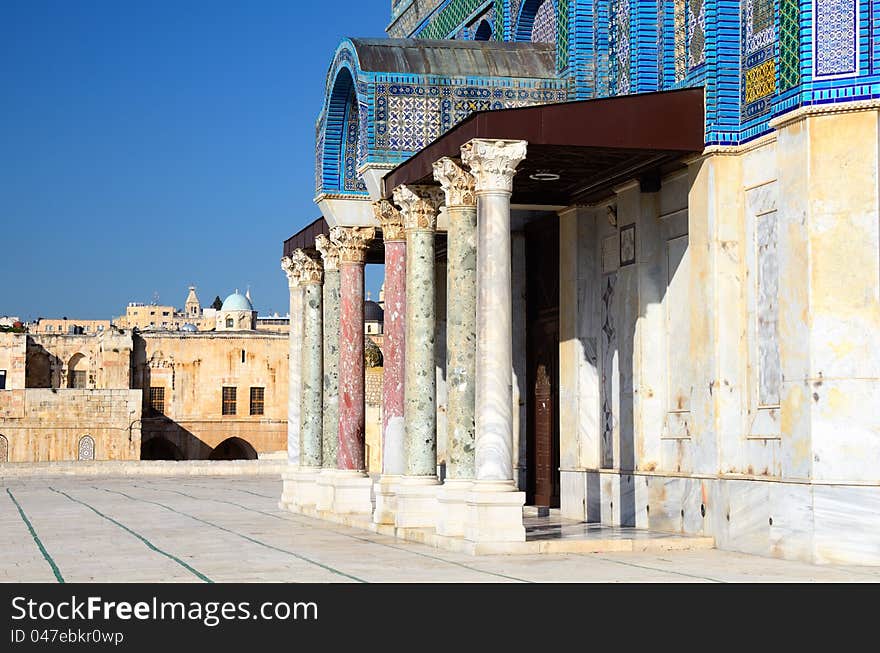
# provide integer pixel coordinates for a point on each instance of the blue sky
(146, 146)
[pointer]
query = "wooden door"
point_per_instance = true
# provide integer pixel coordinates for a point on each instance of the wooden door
(542, 357)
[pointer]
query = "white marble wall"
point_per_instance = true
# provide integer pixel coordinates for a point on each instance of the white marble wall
(672, 422)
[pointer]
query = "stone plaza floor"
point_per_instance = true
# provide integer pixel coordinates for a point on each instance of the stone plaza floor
(212, 529)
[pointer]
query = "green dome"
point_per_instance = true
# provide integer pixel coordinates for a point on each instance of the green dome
(237, 302)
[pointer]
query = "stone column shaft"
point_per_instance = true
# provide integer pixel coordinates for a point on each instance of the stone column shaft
(461, 316)
(494, 509)
(288, 493)
(311, 431)
(351, 486)
(330, 397)
(352, 242)
(394, 337)
(419, 208)
(294, 368)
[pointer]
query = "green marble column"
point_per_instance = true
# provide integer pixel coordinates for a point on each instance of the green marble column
(330, 254)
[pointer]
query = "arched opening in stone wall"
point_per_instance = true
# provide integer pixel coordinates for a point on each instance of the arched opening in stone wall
(484, 31)
(86, 448)
(536, 22)
(233, 449)
(159, 448)
(341, 138)
(77, 371)
(4, 449)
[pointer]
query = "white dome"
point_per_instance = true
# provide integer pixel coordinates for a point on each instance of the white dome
(237, 302)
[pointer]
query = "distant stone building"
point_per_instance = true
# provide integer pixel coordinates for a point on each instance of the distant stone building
(123, 395)
(70, 326)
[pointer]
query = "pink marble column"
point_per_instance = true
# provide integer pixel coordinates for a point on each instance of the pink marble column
(352, 242)
(394, 343)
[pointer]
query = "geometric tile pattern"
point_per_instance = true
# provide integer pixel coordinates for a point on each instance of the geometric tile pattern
(4, 449)
(619, 47)
(450, 17)
(696, 33)
(562, 35)
(409, 116)
(836, 47)
(352, 182)
(680, 39)
(789, 44)
(759, 61)
(544, 25)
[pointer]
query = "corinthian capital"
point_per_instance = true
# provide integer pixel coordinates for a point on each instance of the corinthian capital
(390, 220)
(419, 205)
(352, 242)
(329, 251)
(310, 269)
(458, 184)
(493, 162)
(291, 270)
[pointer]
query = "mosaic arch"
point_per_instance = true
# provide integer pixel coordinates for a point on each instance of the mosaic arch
(86, 449)
(536, 22)
(4, 449)
(341, 132)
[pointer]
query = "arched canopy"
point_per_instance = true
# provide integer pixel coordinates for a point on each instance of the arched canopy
(385, 99)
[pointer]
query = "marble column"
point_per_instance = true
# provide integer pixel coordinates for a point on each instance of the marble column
(494, 507)
(394, 330)
(311, 276)
(417, 490)
(330, 395)
(351, 493)
(288, 491)
(461, 327)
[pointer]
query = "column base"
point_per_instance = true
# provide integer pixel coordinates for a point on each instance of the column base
(324, 489)
(452, 507)
(288, 488)
(352, 493)
(494, 513)
(305, 484)
(386, 499)
(416, 502)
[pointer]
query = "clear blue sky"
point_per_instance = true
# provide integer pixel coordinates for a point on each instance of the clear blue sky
(145, 146)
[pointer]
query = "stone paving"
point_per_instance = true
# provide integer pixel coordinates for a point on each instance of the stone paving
(210, 529)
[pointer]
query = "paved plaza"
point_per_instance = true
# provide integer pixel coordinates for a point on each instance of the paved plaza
(211, 529)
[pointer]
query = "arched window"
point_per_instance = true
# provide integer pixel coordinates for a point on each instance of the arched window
(86, 450)
(230, 323)
(4, 449)
(77, 369)
(484, 31)
(536, 22)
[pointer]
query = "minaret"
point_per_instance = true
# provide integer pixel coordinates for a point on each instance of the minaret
(193, 307)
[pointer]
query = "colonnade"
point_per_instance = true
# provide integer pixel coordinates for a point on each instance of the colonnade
(478, 499)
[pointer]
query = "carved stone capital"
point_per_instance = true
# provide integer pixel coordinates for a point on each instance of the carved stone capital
(310, 269)
(329, 251)
(493, 162)
(419, 205)
(457, 183)
(291, 270)
(352, 242)
(390, 220)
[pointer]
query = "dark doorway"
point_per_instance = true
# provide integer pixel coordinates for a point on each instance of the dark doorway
(233, 449)
(542, 361)
(159, 448)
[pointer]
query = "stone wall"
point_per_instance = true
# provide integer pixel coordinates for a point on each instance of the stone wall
(193, 368)
(373, 418)
(722, 381)
(13, 348)
(49, 425)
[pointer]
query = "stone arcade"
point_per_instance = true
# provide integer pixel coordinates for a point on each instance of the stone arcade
(632, 277)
